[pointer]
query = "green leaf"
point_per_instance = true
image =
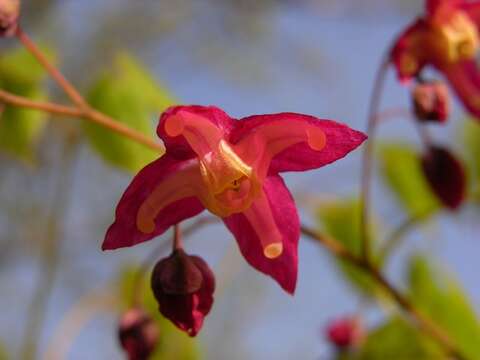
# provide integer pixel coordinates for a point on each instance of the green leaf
(471, 141)
(400, 166)
(20, 129)
(174, 344)
(442, 299)
(341, 220)
(129, 94)
(397, 339)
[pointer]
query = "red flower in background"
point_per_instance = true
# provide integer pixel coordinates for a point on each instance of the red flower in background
(345, 333)
(445, 175)
(138, 334)
(447, 38)
(9, 12)
(230, 167)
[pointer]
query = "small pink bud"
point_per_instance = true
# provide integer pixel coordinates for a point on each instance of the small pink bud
(138, 334)
(345, 333)
(9, 12)
(183, 286)
(446, 176)
(431, 101)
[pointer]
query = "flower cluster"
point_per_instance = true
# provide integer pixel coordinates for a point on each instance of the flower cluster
(231, 168)
(446, 38)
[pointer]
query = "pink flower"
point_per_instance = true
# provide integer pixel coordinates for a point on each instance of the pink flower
(345, 332)
(431, 102)
(447, 38)
(183, 286)
(9, 12)
(230, 167)
(138, 334)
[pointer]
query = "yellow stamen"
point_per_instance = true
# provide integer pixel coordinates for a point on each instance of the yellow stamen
(458, 38)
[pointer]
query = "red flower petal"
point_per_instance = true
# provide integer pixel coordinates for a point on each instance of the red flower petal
(178, 146)
(464, 77)
(432, 6)
(411, 51)
(284, 267)
(124, 231)
(473, 11)
(340, 140)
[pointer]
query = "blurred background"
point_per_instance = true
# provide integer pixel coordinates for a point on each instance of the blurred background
(59, 186)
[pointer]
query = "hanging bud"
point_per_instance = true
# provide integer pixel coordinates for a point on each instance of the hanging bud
(431, 101)
(446, 176)
(138, 334)
(183, 286)
(345, 333)
(9, 12)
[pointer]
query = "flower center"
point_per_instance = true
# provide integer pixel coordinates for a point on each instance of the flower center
(457, 38)
(231, 184)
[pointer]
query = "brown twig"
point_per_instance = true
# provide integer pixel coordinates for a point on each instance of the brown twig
(69, 89)
(82, 109)
(425, 323)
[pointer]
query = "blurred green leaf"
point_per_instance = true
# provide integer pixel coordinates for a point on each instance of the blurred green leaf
(129, 94)
(397, 339)
(174, 344)
(446, 304)
(400, 166)
(471, 140)
(20, 129)
(3, 352)
(341, 220)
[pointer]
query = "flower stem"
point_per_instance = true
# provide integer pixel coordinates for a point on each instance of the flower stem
(158, 252)
(367, 162)
(424, 323)
(82, 110)
(398, 234)
(69, 89)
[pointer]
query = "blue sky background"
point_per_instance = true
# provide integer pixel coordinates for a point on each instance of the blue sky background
(315, 59)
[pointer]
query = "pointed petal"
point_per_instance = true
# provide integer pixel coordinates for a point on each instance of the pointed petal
(179, 205)
(465, 79)
(411, 51)
(177, 146)
(435, 6)
(297, 142)
(284, 267)
(473, 11)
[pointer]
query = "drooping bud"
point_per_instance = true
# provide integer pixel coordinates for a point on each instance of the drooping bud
(431, 101)
(9, 12)
(446, 176)
(345, 333)
(138, 334)
(183, 286)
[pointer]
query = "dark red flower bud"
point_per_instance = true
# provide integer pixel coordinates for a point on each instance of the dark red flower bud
(346, 332)
(446, 176)
(138, 334)
(9, 12)
(183, 286)
(431, 101)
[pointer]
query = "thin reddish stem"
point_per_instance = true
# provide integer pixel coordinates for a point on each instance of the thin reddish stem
(84, 110)
(368, 158)
(52, 70)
